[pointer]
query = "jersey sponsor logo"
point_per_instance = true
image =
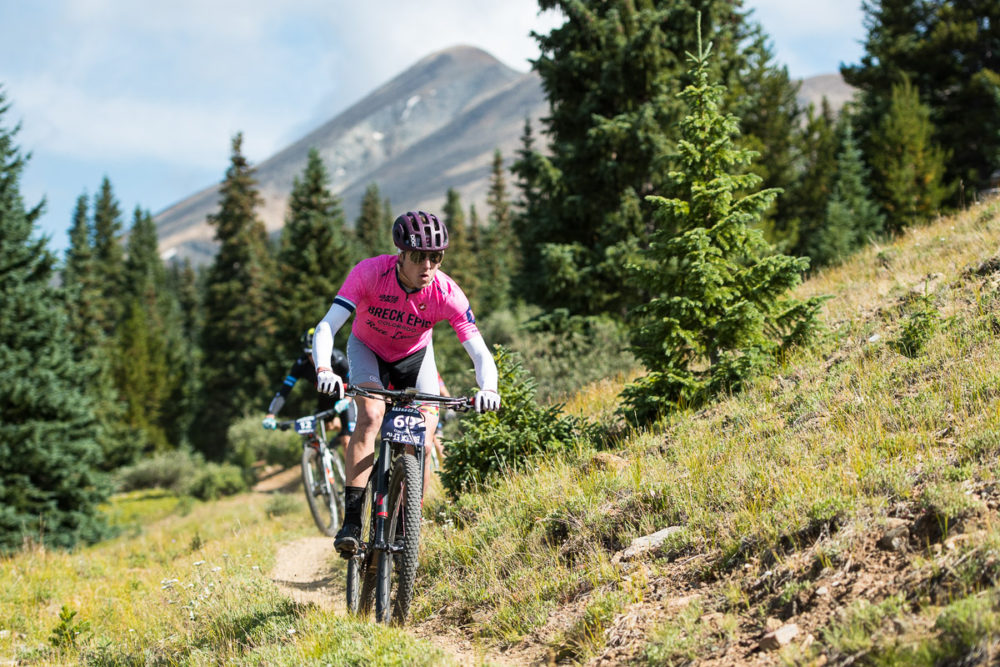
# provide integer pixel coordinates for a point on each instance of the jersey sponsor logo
(469, 317)
(388, 298)
(393, 315)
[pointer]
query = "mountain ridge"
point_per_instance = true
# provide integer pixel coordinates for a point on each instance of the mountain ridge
(432, 127)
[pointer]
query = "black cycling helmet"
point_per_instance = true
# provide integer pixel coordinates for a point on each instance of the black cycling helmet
(307, 340)
(417, 230)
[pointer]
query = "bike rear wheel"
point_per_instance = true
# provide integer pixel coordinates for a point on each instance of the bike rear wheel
(324, 488)
(397, 570)
(360, 571)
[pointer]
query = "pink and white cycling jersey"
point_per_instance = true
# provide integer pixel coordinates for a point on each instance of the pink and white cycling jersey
(393, 323)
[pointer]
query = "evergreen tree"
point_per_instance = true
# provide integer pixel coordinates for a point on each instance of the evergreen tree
(719, 311)
(151, 362)
(145, 274)
(611, 73)
(89, 315)
(109, 258)
(460, 263)
(373, 234)
(765, 99)
(948, 51)
(804, 207)
(498, 260)
(50, 489)
(143, 378)
(908, 167)
(314, 259)
(239, 331)
(183, 284)
(852, 217)
(80, 278)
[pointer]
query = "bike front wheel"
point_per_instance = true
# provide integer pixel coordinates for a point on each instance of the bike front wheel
(360, 571)
(323, 489)
(397, 569)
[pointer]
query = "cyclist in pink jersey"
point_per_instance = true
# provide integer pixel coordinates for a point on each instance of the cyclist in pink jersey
(397, 300)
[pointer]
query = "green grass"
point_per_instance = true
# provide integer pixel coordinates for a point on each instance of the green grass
(896, 411)
(897, 406)
(187, 584)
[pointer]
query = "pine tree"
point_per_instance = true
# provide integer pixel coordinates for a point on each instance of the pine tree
(89, 315)
(373, 234)
(109, 258)
(611, 73)
(948, 51)
(315, 256)
(80, 278)
(498, 259)
(908, 167)
(460, 263)
(719, 312)
(804, 207)
(183, 284)
(852, 217)
(239, 333)
(150, 365)
(50, 489)
(145, 274)
(765, 99)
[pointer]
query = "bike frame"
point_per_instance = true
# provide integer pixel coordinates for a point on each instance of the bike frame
(388, 450)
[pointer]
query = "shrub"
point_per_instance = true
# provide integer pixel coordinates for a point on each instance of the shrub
(511, 438)
(918, 328)
(562, 352)
(183, 473)
(170, 471)
(251, 443)
(216, 479)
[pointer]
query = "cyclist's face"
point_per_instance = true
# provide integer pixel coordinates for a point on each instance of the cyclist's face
(417, 269)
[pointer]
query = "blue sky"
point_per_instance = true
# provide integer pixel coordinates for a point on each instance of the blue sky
(149, 93)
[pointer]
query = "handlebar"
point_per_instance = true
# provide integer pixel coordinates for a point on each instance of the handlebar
(285, 425)
(411, 395)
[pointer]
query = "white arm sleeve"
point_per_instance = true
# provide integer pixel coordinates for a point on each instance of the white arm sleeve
(323, 336)
(486, 368)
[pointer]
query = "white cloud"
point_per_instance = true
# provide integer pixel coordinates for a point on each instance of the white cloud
(70, 121)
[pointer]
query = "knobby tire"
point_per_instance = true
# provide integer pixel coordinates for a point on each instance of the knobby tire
(360, 572)
(398, 571)
(325, 499)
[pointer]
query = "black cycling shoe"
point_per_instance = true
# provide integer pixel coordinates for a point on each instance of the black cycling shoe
(348, 539)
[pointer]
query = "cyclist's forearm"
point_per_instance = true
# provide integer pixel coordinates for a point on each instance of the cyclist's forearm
(325, 330)
(486, 368)
(276, 404)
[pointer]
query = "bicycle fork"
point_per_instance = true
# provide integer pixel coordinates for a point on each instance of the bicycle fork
(383, 463)
(382, 469)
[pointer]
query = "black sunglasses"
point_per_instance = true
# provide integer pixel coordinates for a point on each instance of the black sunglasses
(419, 256)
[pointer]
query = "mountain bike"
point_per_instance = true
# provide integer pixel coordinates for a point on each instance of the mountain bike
(322, 470)
(382, 571)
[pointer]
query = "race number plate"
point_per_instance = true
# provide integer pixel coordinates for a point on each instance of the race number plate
(305, 425)
(405, 425)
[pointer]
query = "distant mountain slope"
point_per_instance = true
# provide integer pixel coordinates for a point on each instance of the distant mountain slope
(456, 105)
(433, 127)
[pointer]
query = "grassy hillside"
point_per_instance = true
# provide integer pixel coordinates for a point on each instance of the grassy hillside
(185, 584)
(887, 434)
(842, 511)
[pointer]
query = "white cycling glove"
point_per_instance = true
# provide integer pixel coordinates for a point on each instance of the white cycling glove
(328, 382)
(487, 400)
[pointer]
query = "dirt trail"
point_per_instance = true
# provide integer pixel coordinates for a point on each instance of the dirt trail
(302, 569)
(306, 569)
